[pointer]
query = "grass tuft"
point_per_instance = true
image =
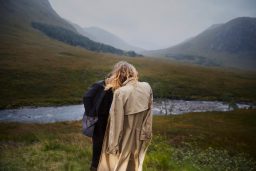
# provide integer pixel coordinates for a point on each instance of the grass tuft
(191, 142)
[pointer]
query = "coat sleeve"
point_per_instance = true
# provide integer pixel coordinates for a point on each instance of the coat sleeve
(115, 124)
(146, 130)
(89, 97)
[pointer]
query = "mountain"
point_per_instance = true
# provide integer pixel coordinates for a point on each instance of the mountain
(231, 44)
(75, 39)
(83, 32)
(28, 15)
(40, 69)
(21, 13)
(100, 35)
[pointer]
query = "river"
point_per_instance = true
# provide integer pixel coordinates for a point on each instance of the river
(75, 112)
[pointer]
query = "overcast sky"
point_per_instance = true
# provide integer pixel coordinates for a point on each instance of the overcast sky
(153, 24)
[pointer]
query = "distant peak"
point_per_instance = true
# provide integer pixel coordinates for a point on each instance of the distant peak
(242, 20)
(94, 28)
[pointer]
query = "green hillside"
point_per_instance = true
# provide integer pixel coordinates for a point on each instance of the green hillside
(19, 14)
(190, 142)
(38, 14)
(232, 44)
(37, 70)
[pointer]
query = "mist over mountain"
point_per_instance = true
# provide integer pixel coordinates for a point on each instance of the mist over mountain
(27, 15)
(230, 44)
(19, 14)
(100, 35)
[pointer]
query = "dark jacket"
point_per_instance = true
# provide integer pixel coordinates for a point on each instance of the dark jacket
(93, 97)
(97, 102)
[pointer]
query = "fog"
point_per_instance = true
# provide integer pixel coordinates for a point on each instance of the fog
(153, 24)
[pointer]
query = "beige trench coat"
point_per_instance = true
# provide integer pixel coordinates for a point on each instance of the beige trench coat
(129, 128)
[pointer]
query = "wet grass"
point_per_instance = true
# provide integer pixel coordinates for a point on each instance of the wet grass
(232, 131)
(58, 146)
(195, 141)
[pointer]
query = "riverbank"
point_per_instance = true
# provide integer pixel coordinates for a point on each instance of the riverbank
(194, 141)
(32, 114)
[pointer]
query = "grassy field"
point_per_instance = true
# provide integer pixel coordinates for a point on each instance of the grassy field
(39, 71)
(36, 70)
(189, 142)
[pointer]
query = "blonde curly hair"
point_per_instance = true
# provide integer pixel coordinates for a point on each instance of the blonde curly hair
(121, 72)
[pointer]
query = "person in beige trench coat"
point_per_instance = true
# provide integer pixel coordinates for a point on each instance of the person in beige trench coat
(129, 129)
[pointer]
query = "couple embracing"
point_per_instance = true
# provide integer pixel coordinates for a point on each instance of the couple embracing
(123, 129)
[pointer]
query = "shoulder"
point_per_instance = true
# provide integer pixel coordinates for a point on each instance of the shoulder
(124, 91)
(146, 88)
(97, 85)
(100, 83)
(145, 85)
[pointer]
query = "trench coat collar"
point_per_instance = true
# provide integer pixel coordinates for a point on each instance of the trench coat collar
(129, 81)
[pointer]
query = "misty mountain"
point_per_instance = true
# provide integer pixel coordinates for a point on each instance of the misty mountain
(231, 44)
(100, 35)
(83, 32)
(75, 39)
(28, 15)
(18, 14)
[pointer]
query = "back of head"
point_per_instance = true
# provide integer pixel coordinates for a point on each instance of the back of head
(121, 72)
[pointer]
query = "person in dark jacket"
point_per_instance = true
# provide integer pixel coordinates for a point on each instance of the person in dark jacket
(97, 102)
